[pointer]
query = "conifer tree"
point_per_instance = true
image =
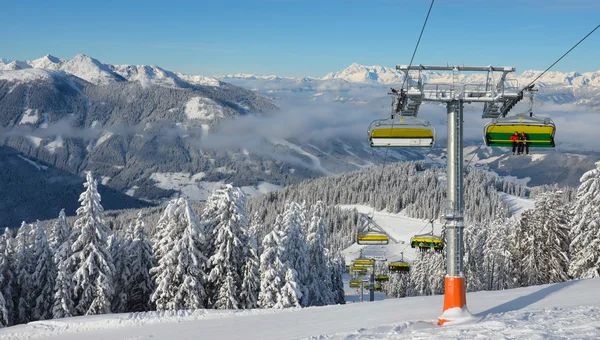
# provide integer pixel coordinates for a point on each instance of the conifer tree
(228, 234)
(118, 249)
(142, 260)
(8, 275)
(92, 262)
(63, 290)
(179, 277)
(250, 274)
(43, 276)
(585, 228)
(22, 268)
(290, 294)
(295, 248)
(320, 289)
(271, 268)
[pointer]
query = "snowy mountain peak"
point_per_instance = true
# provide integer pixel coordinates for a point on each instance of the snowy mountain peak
(358, 73)
(47, 61)
(90, 69)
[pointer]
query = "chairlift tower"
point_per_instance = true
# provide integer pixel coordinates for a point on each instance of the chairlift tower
(499, 95)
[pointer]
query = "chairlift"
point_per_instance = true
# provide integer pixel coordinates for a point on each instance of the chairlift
(402, 132)
(363, 263)
(427, 241)
(382, 278)
(540, 130)
(399, 266)
(359, 271)
(371, 234)
(372, 237)
(355, 283)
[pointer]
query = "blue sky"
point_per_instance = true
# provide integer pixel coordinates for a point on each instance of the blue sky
(303, 37)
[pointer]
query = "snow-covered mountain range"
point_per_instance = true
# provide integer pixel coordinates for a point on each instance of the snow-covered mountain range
(98, 73)
(142, 129)
(357, 73)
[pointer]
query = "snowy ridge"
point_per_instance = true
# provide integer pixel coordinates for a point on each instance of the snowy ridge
(357, 73)
(98, 73)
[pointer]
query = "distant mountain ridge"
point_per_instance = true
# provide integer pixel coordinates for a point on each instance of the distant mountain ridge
(98, 73)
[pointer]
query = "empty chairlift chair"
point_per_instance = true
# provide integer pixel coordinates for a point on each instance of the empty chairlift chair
(382, 278)
(355, 283)
(363, 263)
(539, 130)
(403, 132)
(372, 237)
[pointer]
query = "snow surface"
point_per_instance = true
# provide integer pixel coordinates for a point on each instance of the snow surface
(30, 116)
(203, 108)
(57, 143)
(192, 186)
(563, 310)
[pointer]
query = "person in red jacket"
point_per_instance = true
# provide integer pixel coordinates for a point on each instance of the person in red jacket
(515, 141)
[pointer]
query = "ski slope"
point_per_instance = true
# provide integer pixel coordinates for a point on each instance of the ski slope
(564, 310)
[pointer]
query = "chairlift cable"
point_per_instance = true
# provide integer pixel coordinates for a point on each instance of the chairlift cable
(559, 59)
(385, 158)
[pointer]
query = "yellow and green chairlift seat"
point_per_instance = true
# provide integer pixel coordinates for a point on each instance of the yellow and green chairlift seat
(355, 283)
(372, 238)
(427, 241)
(403, 132)
(377, 286)
(539, 130)
(399, 266)
(358, 270)
(363, 263)
(382, 278)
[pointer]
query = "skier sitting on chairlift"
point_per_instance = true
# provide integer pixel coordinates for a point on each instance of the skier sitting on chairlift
(515, 142)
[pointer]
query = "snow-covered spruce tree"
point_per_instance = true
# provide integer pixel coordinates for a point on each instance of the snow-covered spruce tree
(427, 273)
(63, 288)
(118, 248)
(5, 313)
(228, 236)
(179, 277)
(141, 260)
(91, 260)
(60, 231)
(585, 228)
(43, 276)
(475, 240)
(320, 289)
(295, 248)
(272, 269)
(8, 274)
(337, 266)
(250, 273)
(22, 268)
(551, 216)
(497, 256)
(290, 294)
(543, 241)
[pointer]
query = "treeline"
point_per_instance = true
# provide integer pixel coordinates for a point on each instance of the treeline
(193, 259)
(404, 185)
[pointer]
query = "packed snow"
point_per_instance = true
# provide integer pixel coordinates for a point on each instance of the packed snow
(563, 310)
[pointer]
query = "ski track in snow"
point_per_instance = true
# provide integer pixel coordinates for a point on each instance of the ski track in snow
(555, 311)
